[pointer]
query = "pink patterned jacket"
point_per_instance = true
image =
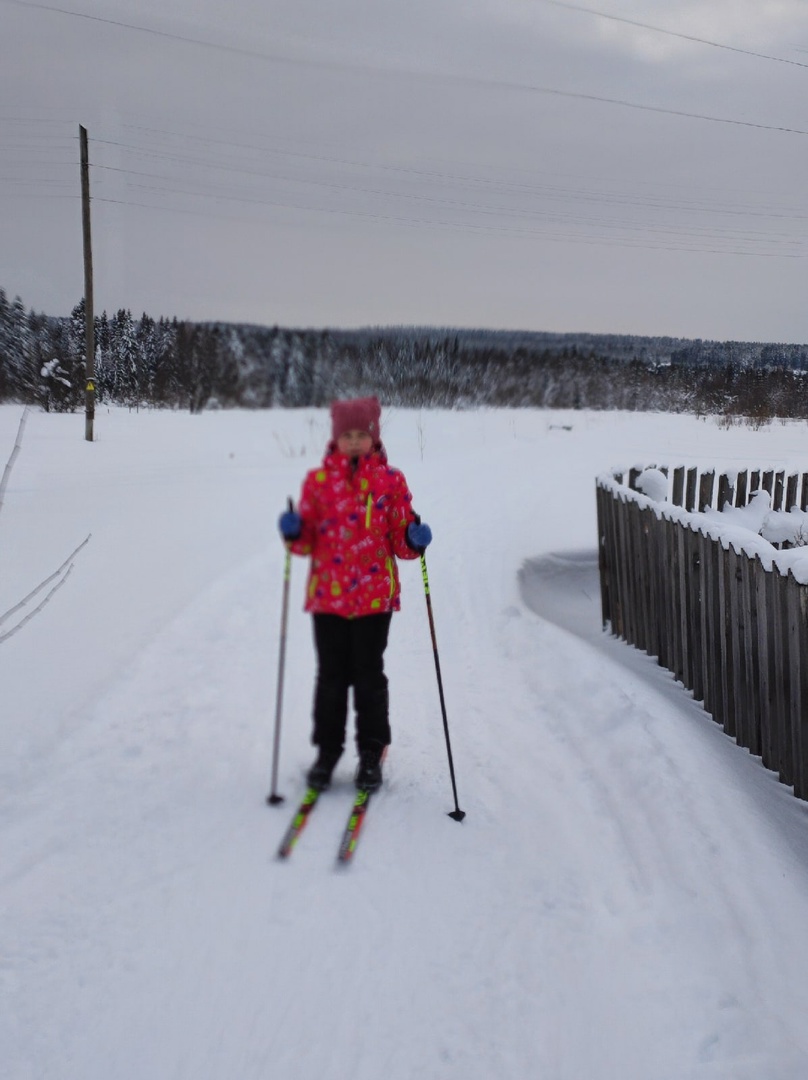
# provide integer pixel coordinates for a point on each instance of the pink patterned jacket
(354, 524)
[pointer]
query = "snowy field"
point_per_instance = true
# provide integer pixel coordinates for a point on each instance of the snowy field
(627, 898)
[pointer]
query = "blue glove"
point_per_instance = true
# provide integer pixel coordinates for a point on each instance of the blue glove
(419, 535)
(290, 525)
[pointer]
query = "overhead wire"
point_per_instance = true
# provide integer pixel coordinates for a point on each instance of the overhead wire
(566, 194)
(403, 170)
(200, 190)
(474, 227)
(671, 34)
(386, 167)
(693, 38)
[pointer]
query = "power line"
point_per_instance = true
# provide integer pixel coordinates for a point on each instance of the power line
(238, 50)
(31, 180)
(406, 171)
(672, 33)
(567, 194)
(515, 232)
(659, 109)
(561, 227)
(30, 120)
(418, 173)
(581, 96)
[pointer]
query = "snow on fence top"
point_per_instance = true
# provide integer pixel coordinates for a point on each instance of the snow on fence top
(757, 512)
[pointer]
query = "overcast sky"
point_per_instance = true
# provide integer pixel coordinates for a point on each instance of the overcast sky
(498, 163)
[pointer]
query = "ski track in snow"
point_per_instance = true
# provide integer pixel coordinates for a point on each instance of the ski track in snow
(618, 904)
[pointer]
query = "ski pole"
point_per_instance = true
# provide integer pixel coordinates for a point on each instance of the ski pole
(457, 813)
(274, 798)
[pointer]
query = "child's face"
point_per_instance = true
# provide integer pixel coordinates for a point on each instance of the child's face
(355, 443)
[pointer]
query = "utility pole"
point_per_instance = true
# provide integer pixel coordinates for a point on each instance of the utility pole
(89, 321)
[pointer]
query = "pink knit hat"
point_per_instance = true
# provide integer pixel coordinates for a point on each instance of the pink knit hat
(357, 414)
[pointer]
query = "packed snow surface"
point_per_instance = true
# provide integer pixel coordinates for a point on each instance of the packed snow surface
(627, 898)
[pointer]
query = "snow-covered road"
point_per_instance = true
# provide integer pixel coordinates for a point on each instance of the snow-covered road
(626, 899)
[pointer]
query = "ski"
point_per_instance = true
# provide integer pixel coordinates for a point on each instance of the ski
(298, 822)
(350, 837)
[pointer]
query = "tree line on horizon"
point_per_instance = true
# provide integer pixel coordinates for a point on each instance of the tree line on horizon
(179, 364)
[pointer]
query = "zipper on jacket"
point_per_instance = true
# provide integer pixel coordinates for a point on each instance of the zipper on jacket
(368, 511)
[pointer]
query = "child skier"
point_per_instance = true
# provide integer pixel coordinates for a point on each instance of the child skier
(354, 519)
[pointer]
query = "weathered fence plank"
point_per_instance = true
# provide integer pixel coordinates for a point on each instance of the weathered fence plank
(736, 619)
(767, 671)
(640, 577)
(791, 492)
(676, 584)
(726, 492)
(603, 560)
(678, 489)
(778, 494)
(705, 623)
(648, 591)
(804, 492)
(742, 488)
(706, 490)
(782, 712)
(693, 571)
(797, 607)
(724, 629)
(715, 562)
(750, 658)
(617, 597)
(624, 570)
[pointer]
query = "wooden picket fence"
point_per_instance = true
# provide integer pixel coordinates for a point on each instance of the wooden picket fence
(733, 632)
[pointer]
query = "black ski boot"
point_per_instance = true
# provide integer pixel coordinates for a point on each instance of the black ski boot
(319, 775)
(369, 773)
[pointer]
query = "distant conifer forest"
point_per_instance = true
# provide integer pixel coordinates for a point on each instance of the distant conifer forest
(170, 363)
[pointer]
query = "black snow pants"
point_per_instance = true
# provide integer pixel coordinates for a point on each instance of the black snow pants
(350, 652)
